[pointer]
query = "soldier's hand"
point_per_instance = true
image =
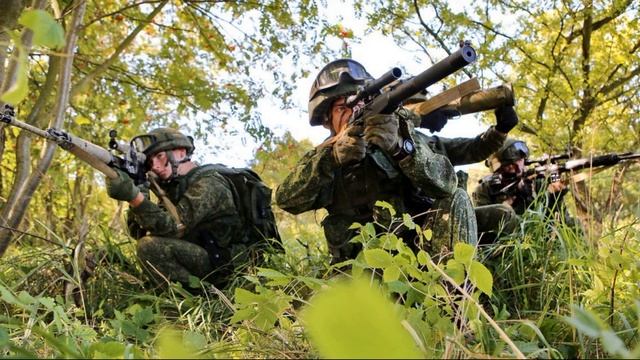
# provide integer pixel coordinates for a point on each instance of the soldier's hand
(382, 130)
(556, 187)
(349, 146)
(437, 119)
(506, 118)
(122, 187)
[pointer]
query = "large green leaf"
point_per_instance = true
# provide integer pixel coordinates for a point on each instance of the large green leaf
(353, 320)
(378, 258)
(19, 89)
(46, 30)
(481, 277)
(463, 253)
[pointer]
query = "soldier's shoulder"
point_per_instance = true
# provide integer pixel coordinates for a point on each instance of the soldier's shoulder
(208, 173)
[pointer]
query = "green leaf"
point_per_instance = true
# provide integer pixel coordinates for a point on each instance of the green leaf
(463, 253)
(386, 205)
(586, 322)
(408, 221)
(244, 297)
(171, 345)
(18, 91)
(340, 324)
(4, 337)
(455, 270)
(392, 273)
(107, 350)
(481, 277)
(423, 257)
(428, 234)
(377, 258)
(46, 30)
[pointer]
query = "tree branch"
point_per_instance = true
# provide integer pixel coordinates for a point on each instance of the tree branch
(84, 82)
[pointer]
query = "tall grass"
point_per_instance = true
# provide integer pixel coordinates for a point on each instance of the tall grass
(554, 294)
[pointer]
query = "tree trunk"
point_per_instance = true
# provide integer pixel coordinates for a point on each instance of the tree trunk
(16, 212)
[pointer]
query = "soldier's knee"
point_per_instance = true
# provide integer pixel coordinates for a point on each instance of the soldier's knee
(147, 247)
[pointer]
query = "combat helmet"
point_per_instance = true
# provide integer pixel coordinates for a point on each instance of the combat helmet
(338, 78)
(164, 139)
(511, 151)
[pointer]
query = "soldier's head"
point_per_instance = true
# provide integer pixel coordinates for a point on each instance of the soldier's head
(337, 80)
(509, 158)
(165, 149)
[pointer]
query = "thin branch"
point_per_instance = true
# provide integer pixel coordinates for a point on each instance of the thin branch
(119, 50)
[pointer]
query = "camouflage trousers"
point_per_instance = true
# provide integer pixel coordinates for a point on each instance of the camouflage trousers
(452, 220)
(494, 220)
(173, 259)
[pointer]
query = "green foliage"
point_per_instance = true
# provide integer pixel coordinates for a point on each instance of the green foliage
(19, 89)
(46, 30)
(353, 320)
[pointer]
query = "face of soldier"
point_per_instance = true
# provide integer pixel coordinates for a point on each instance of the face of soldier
(339, 115)
(515, 168)
(160, 165)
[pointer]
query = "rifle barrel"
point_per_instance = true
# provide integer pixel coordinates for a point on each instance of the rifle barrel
(443, 68)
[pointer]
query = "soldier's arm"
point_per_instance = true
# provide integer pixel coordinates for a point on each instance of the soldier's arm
(310, 185)
(462, 151)
(207, 198)
(431, 172)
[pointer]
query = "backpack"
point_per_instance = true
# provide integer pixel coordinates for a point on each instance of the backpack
(253, 200)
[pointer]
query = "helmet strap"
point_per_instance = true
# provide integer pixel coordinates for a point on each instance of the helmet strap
(175, 163)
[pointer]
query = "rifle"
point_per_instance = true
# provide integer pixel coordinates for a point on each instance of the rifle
(376, 102)
(550, 168)
(131, 162)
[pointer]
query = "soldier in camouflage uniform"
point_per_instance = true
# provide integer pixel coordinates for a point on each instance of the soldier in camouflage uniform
(346, 175)
(207, 240)
(497, 213)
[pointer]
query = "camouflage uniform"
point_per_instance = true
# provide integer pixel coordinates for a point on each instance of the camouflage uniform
(424, 181)
(463, 151)
(214, 241)
(495, 216)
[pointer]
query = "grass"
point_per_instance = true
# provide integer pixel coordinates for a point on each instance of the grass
(555, 294)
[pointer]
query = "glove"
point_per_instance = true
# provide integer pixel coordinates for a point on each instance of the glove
(437, 119)
(122, 187)
(382, 130)
(349, 146)
(506, 119)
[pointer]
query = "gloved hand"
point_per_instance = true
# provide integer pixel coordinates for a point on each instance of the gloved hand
(506, 118)
(382, 130)
(349, 146)
(122, 187)
(437, 119)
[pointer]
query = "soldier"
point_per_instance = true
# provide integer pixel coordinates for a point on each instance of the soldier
(500, 212)
(383, 160)
(207, 239)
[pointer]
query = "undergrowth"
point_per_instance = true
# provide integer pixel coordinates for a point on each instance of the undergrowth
(545, 291)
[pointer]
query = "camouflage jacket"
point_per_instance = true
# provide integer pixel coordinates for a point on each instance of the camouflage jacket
(205, 204)
(463, 151)
(482, 196)
(350, 192)
(553, 203)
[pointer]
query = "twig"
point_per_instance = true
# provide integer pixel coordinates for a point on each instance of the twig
(493, 324)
